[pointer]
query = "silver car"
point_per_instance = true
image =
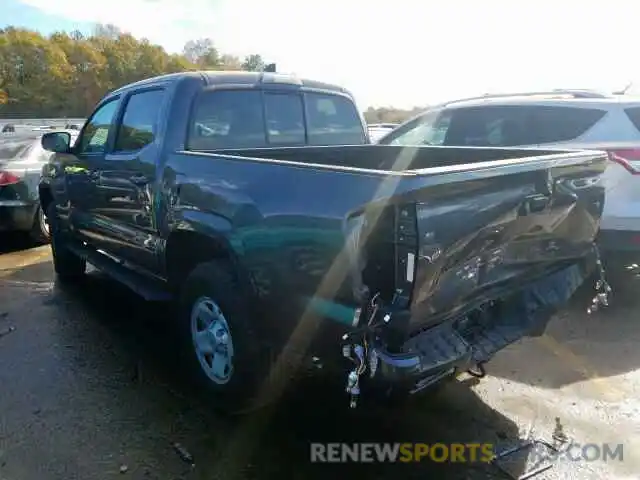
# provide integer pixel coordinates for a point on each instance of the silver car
(21, 160)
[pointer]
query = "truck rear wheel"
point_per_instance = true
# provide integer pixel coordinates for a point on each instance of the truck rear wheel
(218, 342)
(67, 265)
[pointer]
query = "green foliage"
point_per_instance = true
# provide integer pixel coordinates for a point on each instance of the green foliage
(66, 74)
(253, 63)
(390, 114)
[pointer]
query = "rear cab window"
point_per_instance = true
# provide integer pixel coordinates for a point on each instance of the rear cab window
(258, 118)
(227, 119)
(285, 119)
(333, 120)
(498, 126)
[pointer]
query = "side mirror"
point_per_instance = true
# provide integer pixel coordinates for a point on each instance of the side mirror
(57, 142)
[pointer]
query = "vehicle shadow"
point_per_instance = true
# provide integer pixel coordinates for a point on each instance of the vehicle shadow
(15, 242)
(579, 346)
(116, 372)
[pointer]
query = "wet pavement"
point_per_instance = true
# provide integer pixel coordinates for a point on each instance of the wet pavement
(88, 390)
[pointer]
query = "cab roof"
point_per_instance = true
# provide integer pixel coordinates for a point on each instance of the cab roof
(216, 77)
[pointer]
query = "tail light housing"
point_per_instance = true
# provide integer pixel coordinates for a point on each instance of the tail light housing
(627, 158)
(8, 178)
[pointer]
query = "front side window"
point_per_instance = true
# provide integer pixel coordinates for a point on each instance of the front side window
(227, 119)
(285, 118)
(473, 126)
(428, 129)
(333, 120)
(96, 131)
(140, 121)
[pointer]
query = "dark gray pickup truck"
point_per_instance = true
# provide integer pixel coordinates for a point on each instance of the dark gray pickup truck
(253, 200)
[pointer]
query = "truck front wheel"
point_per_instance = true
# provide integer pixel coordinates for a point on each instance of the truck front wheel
(218, 342)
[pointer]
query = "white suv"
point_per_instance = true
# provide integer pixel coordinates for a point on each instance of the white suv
(580, 119)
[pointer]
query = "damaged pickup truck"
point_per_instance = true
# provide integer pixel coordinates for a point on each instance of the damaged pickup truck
(254, 202)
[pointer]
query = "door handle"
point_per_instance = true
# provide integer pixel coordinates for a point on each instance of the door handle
(534, 204)
(139, 180)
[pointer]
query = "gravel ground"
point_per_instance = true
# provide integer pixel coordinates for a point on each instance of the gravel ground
(88, 391)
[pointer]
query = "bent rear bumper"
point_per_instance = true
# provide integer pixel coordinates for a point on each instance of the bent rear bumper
(459, 345)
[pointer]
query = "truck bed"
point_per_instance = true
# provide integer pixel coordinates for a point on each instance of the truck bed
(433, 230)
(390, 158)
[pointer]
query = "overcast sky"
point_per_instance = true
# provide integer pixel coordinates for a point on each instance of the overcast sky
(400, 52)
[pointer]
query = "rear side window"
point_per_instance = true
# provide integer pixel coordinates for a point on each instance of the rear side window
(332, 120)
(140, 121)
(429, 128)
(227, 119)
(547, 124)
(285, 118)
(634, 115)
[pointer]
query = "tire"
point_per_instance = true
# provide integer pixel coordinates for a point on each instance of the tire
(240, 383)
(68, 266)
(40, 231)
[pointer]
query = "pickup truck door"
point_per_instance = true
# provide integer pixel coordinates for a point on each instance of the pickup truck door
(80, 167)
(123, 215)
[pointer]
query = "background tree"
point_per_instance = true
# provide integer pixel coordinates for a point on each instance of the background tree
(390, 114)
(66, 74)
(202, 53)
(253, 63)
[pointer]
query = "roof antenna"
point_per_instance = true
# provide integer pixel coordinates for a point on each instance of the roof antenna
(624, 90)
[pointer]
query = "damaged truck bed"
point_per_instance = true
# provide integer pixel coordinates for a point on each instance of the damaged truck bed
(428, 260)
(414, 263)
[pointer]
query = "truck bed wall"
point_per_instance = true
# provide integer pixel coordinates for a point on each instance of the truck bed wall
(389, 157)
(289, 222)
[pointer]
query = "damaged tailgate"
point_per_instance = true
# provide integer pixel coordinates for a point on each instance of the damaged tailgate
(479, 263)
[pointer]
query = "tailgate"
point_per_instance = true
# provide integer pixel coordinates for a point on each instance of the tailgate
(476, 233)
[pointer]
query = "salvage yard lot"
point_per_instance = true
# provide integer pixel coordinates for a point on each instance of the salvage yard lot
(88, 391)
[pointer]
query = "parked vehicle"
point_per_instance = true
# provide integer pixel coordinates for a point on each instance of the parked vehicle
(378, 130)
(574, 119)
(415, 263)
(21, 160)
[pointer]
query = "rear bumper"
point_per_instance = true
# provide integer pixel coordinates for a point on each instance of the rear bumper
(457, 346)
(16, 215)
(434, 355)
